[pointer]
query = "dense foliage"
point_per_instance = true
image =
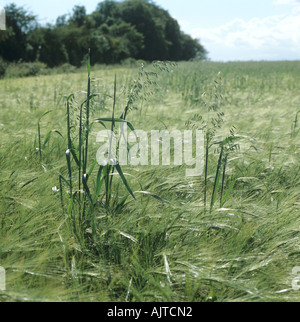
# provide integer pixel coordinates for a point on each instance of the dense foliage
(115, 31)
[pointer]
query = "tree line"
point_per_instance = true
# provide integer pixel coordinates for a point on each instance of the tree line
(115, 31)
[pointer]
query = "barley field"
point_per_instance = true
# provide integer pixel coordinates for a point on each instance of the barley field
(74, 230)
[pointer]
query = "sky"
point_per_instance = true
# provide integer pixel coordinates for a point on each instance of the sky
(229, 29)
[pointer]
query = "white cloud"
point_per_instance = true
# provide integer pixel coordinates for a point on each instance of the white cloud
(273, 37)
(295, 4)
(292, 2)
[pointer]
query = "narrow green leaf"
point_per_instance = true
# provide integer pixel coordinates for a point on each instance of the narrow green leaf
(118, 168)
(118, 120)
(70, 97)
(71, 206)
(29, 182)
(215, 191)
(152, 195)
(99, 183)
(89, 63)
(228, 192)
(48, 136)
(65, 180)
(86, 188)
(121, 204)
(217, 179)
(74, 154)
(44, 115)
(92, 168)
(100, 122)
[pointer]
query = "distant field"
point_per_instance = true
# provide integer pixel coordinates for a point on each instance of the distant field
(231, 234)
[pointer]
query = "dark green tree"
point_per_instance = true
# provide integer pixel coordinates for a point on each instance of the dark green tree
(148, 22)
(105, 12)
(19, 22)
(51, 49)
(62, 21)
(79, 17)
(116, 30)
(191, 48)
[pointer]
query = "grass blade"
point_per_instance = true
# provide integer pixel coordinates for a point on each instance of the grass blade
(116, 120)
(217, 179)
(118, 168)
(228, 192)
(48, 136)
(152, 195)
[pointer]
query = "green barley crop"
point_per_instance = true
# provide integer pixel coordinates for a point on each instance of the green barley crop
(70, 230)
